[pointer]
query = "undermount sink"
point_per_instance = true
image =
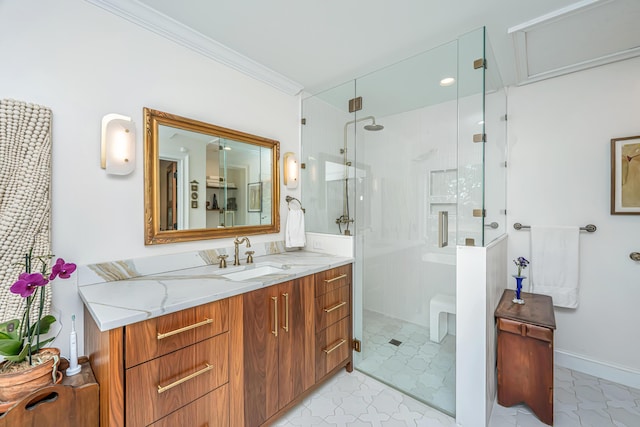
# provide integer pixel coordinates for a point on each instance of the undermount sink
(261, 269)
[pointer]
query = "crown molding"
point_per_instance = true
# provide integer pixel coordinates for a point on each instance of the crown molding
(152, 20)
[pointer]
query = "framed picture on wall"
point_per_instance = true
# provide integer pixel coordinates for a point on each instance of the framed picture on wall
(254, 197)
(625, 176)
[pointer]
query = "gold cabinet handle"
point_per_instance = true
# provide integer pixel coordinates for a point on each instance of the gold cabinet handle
(342, 276)
(207, 368)
(275, 316)
(186, 328)
(338, 344)
(335, 307)
(286, 312)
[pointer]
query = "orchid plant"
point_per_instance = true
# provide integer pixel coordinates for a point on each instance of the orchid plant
(19, 339)
(522, 263)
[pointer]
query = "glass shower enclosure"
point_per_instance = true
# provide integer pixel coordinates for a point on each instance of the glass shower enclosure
(410, 161)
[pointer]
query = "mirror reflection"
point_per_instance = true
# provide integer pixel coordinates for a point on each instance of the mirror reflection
(203, 181)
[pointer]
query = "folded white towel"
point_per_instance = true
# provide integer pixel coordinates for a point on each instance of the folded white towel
(294, 235)
(555, 264)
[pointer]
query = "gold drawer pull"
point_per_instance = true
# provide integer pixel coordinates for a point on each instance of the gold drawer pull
(186, 328)
(342, 276)
(207, 368)
(286, 312)
(275, 316)
(329, 350)
(335, 307)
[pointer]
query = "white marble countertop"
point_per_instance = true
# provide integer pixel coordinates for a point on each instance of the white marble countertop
(118, 303)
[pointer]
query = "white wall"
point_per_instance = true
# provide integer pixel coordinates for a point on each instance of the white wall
(559, 174)
(84, 62)
(480, 280)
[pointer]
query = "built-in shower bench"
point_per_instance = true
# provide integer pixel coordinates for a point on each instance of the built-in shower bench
(439, 306)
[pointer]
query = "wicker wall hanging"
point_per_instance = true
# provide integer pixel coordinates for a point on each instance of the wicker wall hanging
(25, 204)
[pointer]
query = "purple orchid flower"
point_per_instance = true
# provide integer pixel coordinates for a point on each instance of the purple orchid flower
(62, 269)
(27, 284)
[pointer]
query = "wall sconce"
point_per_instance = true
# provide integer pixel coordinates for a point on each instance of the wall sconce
(118, 149)
(290, 170)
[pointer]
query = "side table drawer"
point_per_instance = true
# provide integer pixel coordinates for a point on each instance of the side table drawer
(525, 330)
(162, 335)
(160, 386)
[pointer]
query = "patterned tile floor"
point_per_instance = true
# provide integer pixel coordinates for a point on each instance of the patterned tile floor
(427, 371)
(580, 401)
(419, 367)
(357, 400)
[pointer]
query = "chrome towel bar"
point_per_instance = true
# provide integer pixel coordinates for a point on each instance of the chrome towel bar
(589, 227)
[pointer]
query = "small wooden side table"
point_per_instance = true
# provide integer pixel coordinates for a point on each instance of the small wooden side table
(73, 402)
(525, 353)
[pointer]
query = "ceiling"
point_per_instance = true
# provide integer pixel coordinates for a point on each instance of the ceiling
(315, 45)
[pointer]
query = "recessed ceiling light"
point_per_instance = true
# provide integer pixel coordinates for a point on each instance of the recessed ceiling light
(447, 81)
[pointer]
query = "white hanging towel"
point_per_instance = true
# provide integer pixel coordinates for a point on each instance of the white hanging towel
(555, 264)
(294, 234)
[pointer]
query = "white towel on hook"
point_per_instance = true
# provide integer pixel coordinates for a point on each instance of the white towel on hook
(555, 263)
(294, 234)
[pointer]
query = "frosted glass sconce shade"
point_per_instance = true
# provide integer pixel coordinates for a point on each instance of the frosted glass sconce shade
(118, 150)
(290, 170)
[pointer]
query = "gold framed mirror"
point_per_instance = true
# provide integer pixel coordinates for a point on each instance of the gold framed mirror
(203, 181)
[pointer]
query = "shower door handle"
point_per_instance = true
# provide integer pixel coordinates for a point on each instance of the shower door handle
(443, 229)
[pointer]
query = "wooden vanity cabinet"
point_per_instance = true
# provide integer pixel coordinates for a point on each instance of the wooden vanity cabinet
(333, 319)
(269, 373)
(240, 361)
(278, 347)
(163, 367)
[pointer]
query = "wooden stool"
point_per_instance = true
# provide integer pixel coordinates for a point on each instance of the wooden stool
(525, 353)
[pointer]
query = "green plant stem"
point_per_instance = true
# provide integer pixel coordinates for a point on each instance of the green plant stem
(28, 322)
(40, 310)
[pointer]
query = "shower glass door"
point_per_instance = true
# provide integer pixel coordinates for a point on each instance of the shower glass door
(324, 157)
(406, 214)
(401, 173)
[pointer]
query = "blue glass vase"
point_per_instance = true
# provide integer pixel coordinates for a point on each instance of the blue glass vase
(518, 299)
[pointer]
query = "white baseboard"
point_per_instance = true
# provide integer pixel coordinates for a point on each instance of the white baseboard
(617, 374)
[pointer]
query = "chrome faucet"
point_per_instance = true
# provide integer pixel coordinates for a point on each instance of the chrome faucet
(236, 242)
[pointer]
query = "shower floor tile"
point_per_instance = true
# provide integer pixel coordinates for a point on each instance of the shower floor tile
(417, 366)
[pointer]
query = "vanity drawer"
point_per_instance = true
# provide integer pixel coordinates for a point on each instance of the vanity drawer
(332, 306)
(162, 335)
(333, 279)
(160, 386)
(211, 410)
(332, 347)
